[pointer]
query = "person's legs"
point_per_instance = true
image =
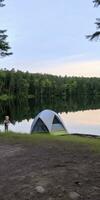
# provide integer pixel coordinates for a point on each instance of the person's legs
(6, 127)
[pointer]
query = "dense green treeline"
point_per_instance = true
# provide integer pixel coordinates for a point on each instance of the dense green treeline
(19, 84)
(24, 95)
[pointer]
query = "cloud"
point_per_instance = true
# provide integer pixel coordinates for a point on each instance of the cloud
(63, 66)
(66, 67)
(81, 68)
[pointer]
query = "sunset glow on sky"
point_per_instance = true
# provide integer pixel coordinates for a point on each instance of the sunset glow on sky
(49, 36)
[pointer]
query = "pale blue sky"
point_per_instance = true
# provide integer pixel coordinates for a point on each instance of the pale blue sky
(48, 36)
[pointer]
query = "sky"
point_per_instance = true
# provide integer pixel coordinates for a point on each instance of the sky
(48, 36)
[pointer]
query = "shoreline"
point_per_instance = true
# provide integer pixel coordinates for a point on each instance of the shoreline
(57, 134)
(92, 141)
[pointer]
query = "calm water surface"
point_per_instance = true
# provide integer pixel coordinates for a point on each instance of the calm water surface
(85, 122)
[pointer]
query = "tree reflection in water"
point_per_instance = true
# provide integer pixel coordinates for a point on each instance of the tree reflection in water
(20, 109)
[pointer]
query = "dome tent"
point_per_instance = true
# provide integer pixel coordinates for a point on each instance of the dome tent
(48, 121)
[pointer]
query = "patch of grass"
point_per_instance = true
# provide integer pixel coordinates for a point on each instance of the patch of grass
(93, 143)
(19, 137)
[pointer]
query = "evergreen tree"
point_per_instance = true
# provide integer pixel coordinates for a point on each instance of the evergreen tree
(4, 45)
(97, 33)
(1, 3)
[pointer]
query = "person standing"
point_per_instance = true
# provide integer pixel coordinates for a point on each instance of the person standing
(6, 123)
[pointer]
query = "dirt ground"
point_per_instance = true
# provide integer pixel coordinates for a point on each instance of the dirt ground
(49, 170)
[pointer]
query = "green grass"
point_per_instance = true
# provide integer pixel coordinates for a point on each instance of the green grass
(19, 137)
(92, 143)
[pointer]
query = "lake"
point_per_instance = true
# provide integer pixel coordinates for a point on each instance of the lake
(79, 117)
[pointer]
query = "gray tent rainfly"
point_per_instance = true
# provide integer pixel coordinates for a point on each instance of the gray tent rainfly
(48, 121)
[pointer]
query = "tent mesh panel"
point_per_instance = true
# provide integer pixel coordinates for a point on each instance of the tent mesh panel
(57, 125)
(40, 127)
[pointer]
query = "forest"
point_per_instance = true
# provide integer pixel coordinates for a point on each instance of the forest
(18, 84)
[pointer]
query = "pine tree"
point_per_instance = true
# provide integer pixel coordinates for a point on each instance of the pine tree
(4, 45)
(96, 35)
